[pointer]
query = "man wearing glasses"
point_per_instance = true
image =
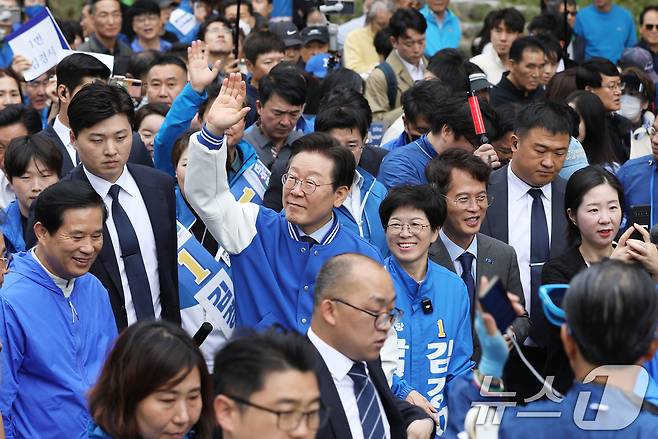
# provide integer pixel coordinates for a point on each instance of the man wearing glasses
(354, 309)
(274, 257)
(266, 388)
(649, 32)
(461, 248)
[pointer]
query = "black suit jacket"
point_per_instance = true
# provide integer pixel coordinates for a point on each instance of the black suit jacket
(157, 189)
(496, 222)
(138, 153)
(399, 413)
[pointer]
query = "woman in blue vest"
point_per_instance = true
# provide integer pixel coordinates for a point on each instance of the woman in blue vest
(154, 384)
(434, 334)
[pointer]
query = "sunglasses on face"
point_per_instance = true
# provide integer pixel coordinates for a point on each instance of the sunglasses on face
(651, 26)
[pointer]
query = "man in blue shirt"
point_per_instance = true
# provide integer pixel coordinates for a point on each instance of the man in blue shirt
(451, 127)
(274, 257)
(605, 29)
(443, 27)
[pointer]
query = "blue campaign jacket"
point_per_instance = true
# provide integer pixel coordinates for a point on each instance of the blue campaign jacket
(53, 350)
(371, 229)
(399, 141)
(95, 432)
(441, 36)
(437, 347)
(612, 408)
(406, 164)
(13, 229)
(278, 262)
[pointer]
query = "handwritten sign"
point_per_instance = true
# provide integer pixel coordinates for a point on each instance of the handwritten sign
(182, 20)
(40, 40)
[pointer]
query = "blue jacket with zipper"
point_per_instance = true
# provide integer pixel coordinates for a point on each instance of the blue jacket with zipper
(53, 350)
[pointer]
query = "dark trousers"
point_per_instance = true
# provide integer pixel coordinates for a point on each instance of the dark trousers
(518, 378)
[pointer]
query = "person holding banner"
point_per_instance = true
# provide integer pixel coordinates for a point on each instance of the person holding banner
(274, 258)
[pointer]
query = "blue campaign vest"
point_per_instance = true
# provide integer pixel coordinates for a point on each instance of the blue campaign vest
(206, 291)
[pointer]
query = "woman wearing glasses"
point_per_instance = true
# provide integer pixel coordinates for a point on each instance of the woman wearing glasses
(435, 328)
(154, 384)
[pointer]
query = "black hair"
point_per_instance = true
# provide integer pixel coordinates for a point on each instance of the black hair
(9, 73)
(454, 111)
(22, 150)
(243, 364)
(214, 18)
(181, 145)
(74, 68)
(483, 37)
(448, 66)
(612, 311)
(340, 78)
(597, 144)
(651, 8)
(511, 17)
(70, 29)
(552, 47)
(140, 63)
(169, 60)
(21, 113)
(159, 108)
(313, 93)
(53, 202)
(561, 85)
(262, 42)
(506, 114)
(551, 116)
(344, 167)
(243, 3)
(143, 7)
(97, 102)
(92, 4)
(581, 182)
(522, 44)
(286, 81)
(589, 73)
(347, 97)
(341, 117)
(549, 22)
(148, 356)
(423, 98)
(422, 197)
(438, 170)
(406, 18)
(382, 42)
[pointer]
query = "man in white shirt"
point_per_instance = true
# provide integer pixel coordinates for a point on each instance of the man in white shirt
(137, 264)
(74, 72)
(354, 307)
(528, 213)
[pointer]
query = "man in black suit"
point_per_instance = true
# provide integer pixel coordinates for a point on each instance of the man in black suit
(354, 308)
(528, 213)
(461, 248)
(74, 72)
(137, 264)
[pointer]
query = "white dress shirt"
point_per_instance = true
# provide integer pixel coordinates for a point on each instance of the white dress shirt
(519, 207)
(64, 135)
(353, 202)
(456, 251)
(7, 194)
(339, 365)
(417, 73)
(133, 203)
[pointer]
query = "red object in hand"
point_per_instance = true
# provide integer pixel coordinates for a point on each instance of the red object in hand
(476, 115)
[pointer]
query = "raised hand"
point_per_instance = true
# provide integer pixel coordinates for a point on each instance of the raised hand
(201, 76)
(487, 153)
(19, 64)
(227, 110)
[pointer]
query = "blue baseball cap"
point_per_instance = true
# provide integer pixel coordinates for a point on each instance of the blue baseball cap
(318, 65)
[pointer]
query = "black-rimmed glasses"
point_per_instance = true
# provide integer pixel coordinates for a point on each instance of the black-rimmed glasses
(382, 320)
(290, 420)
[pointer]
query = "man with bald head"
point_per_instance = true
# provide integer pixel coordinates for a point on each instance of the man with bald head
(354, 308)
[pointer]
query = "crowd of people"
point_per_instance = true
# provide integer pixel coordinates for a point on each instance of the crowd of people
(257, 223)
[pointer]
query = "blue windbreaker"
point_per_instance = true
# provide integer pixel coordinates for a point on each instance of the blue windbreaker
(13, 229)
(406, 164)
(433, 348)
(369, 227)
(53, 350)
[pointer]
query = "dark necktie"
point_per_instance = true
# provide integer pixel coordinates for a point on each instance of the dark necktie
(466, 261)
(132, 258)
(309, 240)
(539, 254)
(366, 400)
